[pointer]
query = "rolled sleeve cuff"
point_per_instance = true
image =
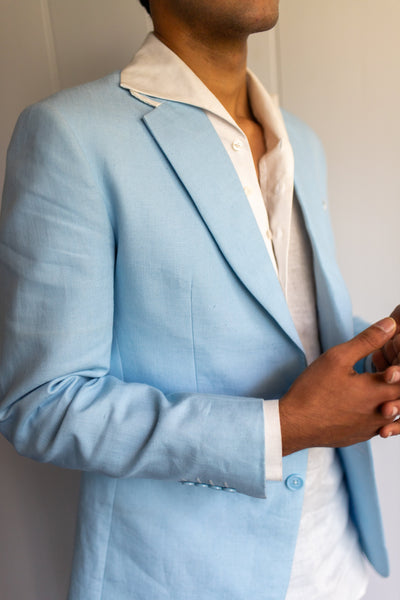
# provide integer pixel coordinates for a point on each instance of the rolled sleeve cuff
(273, 441)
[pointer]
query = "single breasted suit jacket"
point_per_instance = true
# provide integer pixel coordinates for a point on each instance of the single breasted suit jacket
(142, 324)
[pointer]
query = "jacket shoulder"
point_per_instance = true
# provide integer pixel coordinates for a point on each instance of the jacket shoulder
(99, 115)
(95, 103)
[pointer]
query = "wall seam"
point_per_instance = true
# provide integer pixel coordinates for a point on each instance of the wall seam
(278, 61)
(50, 46)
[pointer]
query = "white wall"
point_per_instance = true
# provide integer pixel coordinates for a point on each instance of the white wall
(46, 45)
(334, 64)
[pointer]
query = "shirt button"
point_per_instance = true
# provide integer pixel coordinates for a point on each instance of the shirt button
(269, 235)
(188, 483)
(247, 190)
(216, 487)
(237, 145)
(228, 489)
(294, 482)
(202, 485)
(279, 233)
(279, 188)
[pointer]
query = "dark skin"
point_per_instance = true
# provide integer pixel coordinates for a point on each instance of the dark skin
(389, 354)
(329, 404)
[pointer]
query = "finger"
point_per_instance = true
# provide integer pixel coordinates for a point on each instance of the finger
(392, 374)
(390, 430)
(369, 340)
(389, 352)
(388, 355)
(396, 316)
(379, 360)
(396, 344)
(390, 410)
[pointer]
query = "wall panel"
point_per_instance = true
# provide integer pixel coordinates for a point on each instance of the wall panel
(24, 64)
(94, 38)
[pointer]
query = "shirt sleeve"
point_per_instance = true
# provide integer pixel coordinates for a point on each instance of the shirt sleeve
(273, 441)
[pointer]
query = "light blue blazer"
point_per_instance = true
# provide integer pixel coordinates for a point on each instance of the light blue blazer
(141, 325)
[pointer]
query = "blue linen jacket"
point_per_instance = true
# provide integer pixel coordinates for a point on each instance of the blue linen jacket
(141, 325)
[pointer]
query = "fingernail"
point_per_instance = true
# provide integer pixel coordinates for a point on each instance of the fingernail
(387, 325)
(389, 434)
(395, 411)
(395, 376)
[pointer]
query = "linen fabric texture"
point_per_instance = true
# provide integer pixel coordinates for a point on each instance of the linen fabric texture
(139, 336)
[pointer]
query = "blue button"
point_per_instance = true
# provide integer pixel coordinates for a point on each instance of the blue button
(228, 489)
(294, 482)
(215, 487)
(188, 483)
(202, 485)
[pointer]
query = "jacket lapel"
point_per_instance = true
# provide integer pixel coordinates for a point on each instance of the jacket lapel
(189, 142)
(333, 303)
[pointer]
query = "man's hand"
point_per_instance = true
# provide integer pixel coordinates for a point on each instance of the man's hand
(389, 354)
(331, 405)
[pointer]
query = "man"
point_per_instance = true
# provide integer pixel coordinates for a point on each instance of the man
(164, 290)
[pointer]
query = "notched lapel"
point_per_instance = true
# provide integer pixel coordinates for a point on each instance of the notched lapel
(191, 145)
(333, 303)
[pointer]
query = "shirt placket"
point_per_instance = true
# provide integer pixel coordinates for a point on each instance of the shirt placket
(238, 149)
(276, 183)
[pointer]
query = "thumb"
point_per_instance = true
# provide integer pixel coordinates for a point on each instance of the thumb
(396, 316)
(369, 340)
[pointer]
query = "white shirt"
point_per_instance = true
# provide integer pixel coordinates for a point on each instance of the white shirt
(328, 563)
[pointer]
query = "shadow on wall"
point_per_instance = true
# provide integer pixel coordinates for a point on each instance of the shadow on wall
(38, 508)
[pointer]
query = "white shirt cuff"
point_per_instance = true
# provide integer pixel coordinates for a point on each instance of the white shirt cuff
(273, 441)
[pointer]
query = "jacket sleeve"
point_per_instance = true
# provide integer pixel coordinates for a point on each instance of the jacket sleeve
(58, 401)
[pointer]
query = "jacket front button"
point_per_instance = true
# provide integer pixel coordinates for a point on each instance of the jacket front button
(294, 482)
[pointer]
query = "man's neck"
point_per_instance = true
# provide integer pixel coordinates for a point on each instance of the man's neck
(220, 65)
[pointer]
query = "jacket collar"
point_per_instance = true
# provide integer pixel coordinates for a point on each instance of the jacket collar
(204, 168)
(156, 73)
(180, 113)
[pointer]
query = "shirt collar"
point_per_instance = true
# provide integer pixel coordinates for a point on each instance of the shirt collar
(156, 73)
